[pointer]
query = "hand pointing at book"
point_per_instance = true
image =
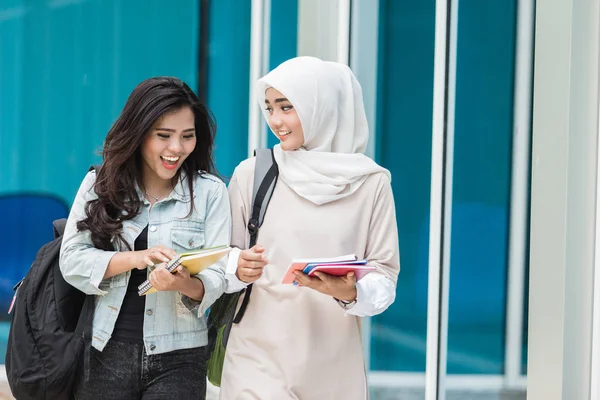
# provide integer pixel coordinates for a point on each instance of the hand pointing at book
(154, 255)
(251, 264)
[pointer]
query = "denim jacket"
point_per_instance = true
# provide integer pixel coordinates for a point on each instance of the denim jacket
(172, 321)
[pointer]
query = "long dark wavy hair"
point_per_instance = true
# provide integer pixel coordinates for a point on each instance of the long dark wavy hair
(116, 180)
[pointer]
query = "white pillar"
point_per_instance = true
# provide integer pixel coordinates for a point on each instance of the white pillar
(324, 29)
(564, 159)
(440, 221)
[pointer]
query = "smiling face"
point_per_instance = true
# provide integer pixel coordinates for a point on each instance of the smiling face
(166, 146)
(283, 120)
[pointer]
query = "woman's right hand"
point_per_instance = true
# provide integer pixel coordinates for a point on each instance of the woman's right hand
(154, 255)
(251, 264)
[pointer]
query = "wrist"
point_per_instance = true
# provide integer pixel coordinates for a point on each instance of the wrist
(348, 297)
(136, 260)
(193, 288)
(240, 279)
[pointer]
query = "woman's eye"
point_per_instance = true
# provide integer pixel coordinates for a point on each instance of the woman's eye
(163, 135)
(287, 108)
(189, 136)
(269, 110)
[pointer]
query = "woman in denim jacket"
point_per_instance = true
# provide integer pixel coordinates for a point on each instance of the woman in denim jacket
(153, 197)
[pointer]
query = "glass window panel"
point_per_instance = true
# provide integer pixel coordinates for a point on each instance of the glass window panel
(404, 115)
(284, 40)
(228, 80)
(481, 186)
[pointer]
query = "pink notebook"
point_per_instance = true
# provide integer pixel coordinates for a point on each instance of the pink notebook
(338, 265)
(342, 269)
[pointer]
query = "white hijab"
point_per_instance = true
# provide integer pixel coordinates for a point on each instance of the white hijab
(328, 99)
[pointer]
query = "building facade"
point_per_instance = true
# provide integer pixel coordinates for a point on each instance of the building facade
(448, 89)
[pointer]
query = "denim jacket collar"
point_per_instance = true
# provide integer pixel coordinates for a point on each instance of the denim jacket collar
(179, 193)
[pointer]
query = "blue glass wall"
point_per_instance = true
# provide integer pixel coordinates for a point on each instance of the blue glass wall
(481, 191)
(284, 40)
(403, 126)
(481, 187)
(228, 80)
(66, 69)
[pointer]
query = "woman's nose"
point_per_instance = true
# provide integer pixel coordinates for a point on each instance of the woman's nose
(175, 146)
(275, 121)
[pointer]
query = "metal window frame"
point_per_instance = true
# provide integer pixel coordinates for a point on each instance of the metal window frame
(260, 31)
(519, 202)
(440, 200)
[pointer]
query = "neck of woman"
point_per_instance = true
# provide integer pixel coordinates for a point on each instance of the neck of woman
(155, 191)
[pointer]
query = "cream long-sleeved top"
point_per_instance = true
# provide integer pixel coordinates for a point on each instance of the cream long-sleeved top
(294, 342)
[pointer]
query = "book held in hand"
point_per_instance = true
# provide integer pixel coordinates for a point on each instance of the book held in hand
(338, 266)
(194, 261)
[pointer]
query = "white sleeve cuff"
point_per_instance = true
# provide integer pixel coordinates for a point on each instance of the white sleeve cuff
(233, 283)
(374, 294)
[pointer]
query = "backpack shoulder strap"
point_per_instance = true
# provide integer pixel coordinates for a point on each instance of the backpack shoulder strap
(266, 172)
(59, 227)
(265, 178)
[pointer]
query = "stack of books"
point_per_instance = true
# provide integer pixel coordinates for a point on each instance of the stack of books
(338, 266)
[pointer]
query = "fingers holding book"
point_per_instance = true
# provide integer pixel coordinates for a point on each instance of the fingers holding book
(340, 287)
(251, 264)
(155, 255)
(163, 280)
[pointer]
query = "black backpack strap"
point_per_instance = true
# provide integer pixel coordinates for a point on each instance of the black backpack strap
(265, 178)
(84, 329)
(59, 227)
(266, 172)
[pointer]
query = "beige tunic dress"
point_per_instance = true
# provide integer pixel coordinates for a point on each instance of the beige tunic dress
(294, 342)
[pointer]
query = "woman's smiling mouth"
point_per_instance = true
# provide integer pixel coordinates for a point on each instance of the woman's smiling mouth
(169, 162)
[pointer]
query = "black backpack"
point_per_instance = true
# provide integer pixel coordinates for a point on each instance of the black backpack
(50, 333)
(222, 313)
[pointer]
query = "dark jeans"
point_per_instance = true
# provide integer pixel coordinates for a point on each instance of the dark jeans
(123, 371)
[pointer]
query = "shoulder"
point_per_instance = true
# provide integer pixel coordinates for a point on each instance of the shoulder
(376, 187)
(90, 177)
(378, 180)
(382, 189)
(204, 177)
(87, 185)
(245, 168)
(243, 175)
(210, 183)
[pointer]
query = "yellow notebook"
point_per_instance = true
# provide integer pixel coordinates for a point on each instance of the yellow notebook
(193, 261)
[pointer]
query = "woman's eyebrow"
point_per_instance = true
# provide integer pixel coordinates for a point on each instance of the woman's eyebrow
(173, 130)
(279, 100)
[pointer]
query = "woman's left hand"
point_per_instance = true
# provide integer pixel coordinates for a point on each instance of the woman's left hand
(339, 287)
(163, 280)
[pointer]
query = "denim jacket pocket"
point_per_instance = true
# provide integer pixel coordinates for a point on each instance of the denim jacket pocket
(187, 235)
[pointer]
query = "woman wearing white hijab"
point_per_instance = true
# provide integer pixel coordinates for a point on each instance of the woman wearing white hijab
(304, 342)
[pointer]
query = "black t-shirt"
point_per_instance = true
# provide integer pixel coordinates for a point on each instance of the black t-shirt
(130, 322)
